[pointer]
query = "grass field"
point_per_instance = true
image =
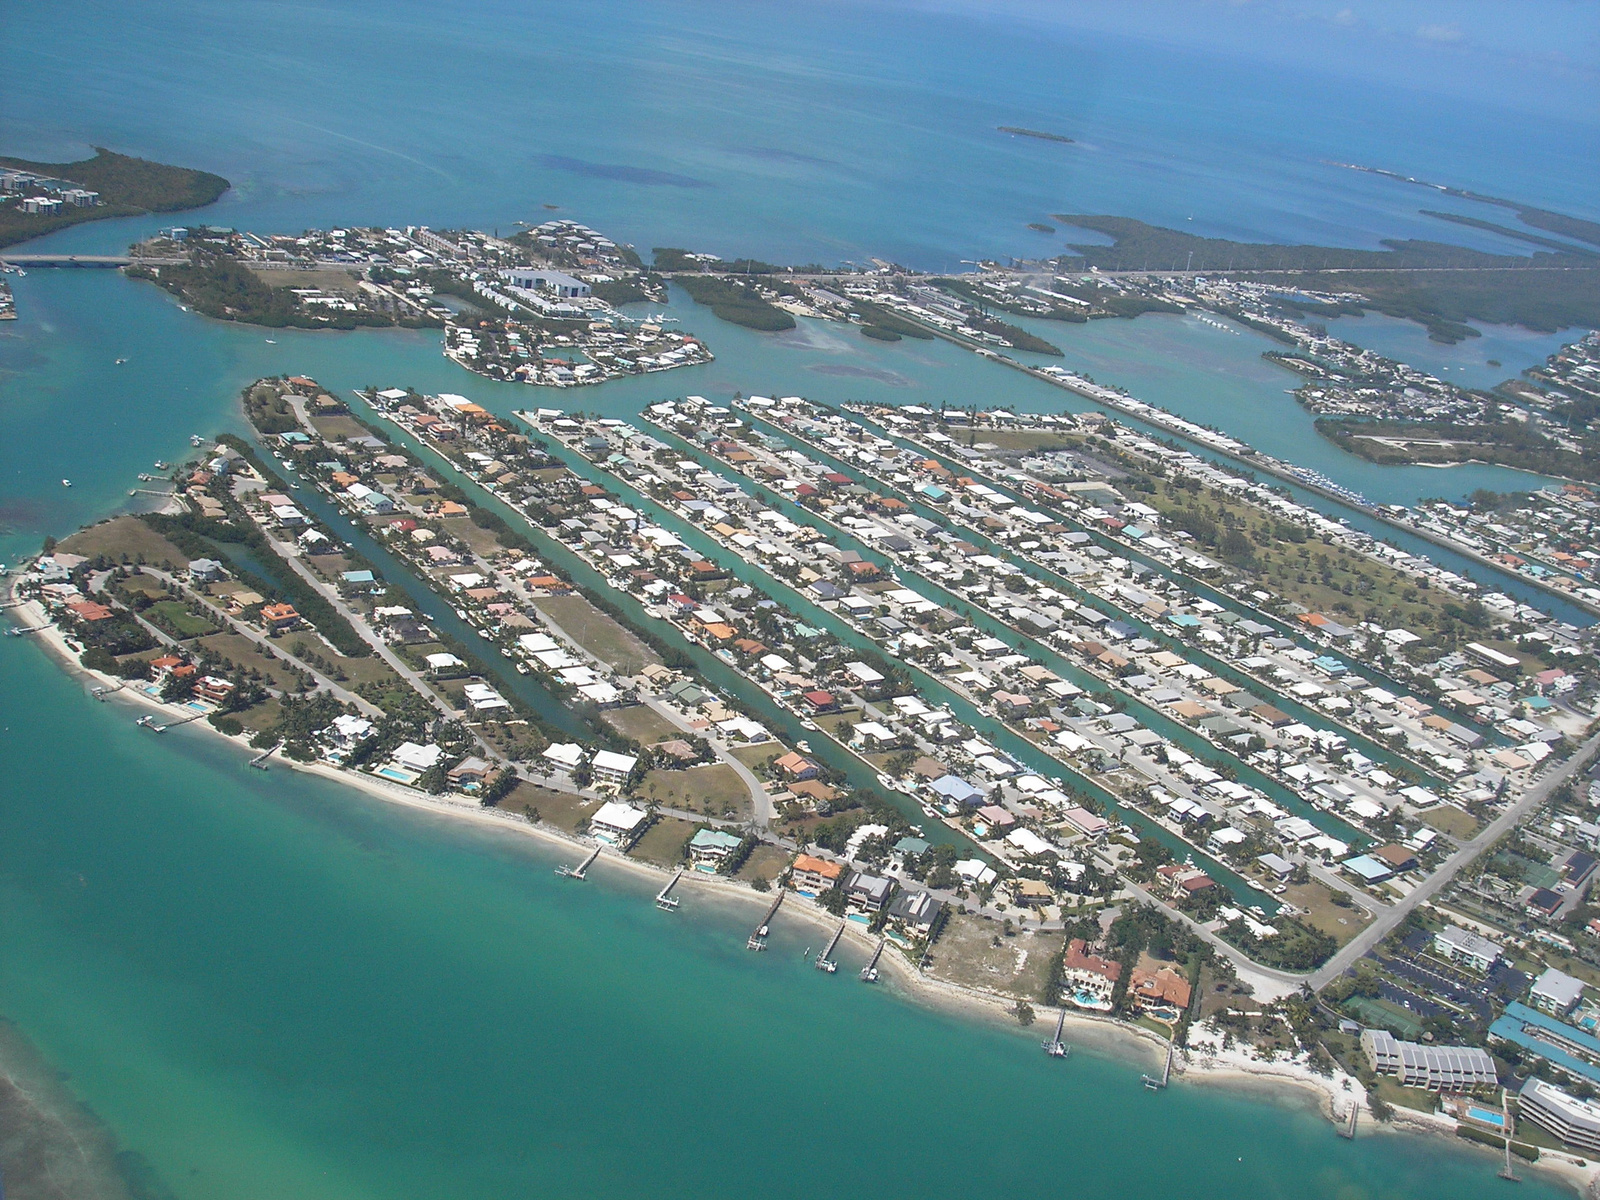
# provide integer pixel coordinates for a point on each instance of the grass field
(1453, 821)
(598, 633)
(754, 756)
(765, 862)
(1020, 966)
(662, 843)
(481, 541)
(561, 809)
(172, 616)
(124, 535)
(715, 790)
(641, 723)
(328, 280)
(338, 427)
(248, 656)
(1322, 914)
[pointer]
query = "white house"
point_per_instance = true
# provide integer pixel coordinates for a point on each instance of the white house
(615, 822)
(612, 768)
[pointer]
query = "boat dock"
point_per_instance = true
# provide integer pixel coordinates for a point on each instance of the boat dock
(824, 962)
(1348, 1129)
(758, 939)
(1055, 1047)
(665, 900)
(869, 973)
(1154, 1084)
(260, 761)
(582, 868)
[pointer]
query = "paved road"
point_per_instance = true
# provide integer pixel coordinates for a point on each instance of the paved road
(1496, 829)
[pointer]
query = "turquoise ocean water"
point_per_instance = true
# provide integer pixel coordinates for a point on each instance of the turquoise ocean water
(267, 985)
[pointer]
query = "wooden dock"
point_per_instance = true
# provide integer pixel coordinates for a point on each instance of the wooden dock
(758, 939)
(259, 762)
(824, 961)
(869, 973)
(665, 900)
(1055, 1047)
(1154, 1084)
(579, 871)
(1348, 1128)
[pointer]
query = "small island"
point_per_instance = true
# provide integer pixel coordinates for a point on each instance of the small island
(1019, 131)
(37, 198)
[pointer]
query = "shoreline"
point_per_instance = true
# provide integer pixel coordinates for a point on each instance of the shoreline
(1122, 1039)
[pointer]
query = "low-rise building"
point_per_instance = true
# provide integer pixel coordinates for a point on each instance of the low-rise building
(1576, 1122)
(563, 757)
(1432, 1068)
(1465, 947)
(1555, 992)
(611, 769)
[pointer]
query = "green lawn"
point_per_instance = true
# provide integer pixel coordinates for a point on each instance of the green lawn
(715, 790)
(662, 843)
(598, 634)
(173, 617)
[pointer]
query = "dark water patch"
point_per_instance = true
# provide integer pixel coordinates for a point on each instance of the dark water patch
(773, 154)
(620, 172)
(891, 378)
(18, 513)
(54, 1148)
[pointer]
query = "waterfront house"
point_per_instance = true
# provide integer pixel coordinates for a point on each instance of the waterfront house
(1088, 979)
(409, 756)
(347, 732)
(213, 689)
(811, 876)
(710, 848)
(470, 772)
(616, 823)
(914, 913)
(1575, 1122)
(867, 893)
(795, 766)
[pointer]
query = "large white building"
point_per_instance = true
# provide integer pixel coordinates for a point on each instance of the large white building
(1555, 992)
(1465, 947)
(543, 280)
(1576, 1122)
(611, 768)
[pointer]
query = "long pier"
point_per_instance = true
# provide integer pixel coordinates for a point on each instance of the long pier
(665, 900)
(869, 973)
(579, 871)
(1348, 1130)
(108, 261)
(824, 962)
(758, 939)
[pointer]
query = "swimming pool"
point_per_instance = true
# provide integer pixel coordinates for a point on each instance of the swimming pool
(396, 774)
(1487, 1116)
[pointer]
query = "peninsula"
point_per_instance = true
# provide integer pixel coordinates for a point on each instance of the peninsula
(37, 198)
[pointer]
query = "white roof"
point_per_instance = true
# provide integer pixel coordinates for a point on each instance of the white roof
(610, 760)
(568, 754)
(615, 815)
(417, 758)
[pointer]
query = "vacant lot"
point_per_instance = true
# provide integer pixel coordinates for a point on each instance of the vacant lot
(761, 752)
(336, 428)
(715, 790)
(481, 541)
(1323, 914)
(248, 657)
(1447, 819)
(172, 616)
(598, 633)
(124, 535)
(641, 723)
(662, 843)
(765, 862)
(329, 280)
(561, 809)
(1019, 966)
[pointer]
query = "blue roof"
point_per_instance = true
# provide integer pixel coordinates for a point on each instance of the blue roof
(1185, 620)
(1518, 1017)
(1368, 868)
(953, 787)
(1331, 665)
(358, 577)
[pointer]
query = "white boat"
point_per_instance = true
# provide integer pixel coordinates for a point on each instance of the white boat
(66, 483)
(194, 439)
(885, 781)
(120, 361)
(270, 342)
